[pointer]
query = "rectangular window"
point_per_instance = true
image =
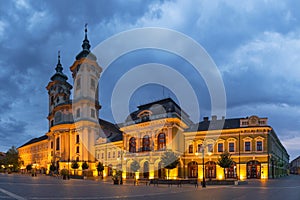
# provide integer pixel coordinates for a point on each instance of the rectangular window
(77, 139)
(247, 146)
(78, 113)
(231, 146)
(57, 143)
(93, 115)
(209, 148)
(93, 84)
(191, 148)
(259, 146)
(51, 145)
(78, 84)
(220, 147)
(114, 154)
(108, 155)
(77, 149)
(199, 148)
(119, 154)
(102, 155)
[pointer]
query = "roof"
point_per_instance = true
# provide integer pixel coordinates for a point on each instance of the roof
(215, 125)
(35, 140)
(164, 108)
(110, 131)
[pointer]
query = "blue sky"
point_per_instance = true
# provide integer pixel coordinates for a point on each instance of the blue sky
(255, 45)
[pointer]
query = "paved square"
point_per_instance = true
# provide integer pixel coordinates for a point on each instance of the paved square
(21, 187)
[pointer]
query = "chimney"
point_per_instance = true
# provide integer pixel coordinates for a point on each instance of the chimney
(214, 117)
(205, 119)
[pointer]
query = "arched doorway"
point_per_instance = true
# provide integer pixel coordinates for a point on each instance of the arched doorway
(253, 169)
(146, 169)
(210, 170)
(231, 171)
(160, 170)
(193, 169)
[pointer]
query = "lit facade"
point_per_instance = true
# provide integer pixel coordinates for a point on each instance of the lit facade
(77, 133)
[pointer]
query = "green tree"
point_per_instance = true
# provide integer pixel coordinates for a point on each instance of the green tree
(169, 160)
(225, 161)
(12, 159)
(74, 166)
(84, 165)
(134, 166)
(100, 168)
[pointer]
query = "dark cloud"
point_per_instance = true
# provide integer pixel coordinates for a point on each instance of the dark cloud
(254, 44)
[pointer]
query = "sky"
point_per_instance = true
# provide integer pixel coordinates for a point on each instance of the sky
(255, 46)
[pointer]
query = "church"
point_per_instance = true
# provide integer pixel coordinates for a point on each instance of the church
(76, 133)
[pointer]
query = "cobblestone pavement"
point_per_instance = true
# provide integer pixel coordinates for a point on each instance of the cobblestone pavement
(21, 187)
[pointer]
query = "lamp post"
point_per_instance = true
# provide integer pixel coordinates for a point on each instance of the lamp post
(121, 181)
(203, 171)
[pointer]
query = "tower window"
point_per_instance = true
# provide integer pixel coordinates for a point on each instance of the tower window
(93, 115)
(93, 84)
(77, 139)
(78, 113)
(78, 84)
(51, 145)
(57, 143)
(58, 116)
(77, 149)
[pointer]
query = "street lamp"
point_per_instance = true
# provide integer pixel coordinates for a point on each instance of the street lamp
(121, 181)
(203, 171)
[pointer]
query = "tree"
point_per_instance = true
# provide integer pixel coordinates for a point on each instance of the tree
(52, 167)
(29, 168)
(169, 160)
(12, 159)
(74, 165)
(134, 166)
(100, 168)
(84, 165)
(225, 161)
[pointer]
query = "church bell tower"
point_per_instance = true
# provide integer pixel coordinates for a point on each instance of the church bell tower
(86, 73)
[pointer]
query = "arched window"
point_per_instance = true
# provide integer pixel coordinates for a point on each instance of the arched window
(146, 143)
(132, 145)
(161, 141)
(210, 169)
(193, 169)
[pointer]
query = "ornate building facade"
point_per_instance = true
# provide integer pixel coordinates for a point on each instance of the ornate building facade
(77, 133)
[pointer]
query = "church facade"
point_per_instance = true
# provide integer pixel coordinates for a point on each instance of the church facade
(77, 133)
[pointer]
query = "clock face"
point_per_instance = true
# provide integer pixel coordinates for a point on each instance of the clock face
(253, 121)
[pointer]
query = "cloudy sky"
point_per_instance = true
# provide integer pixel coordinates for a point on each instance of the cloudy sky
(255, 46)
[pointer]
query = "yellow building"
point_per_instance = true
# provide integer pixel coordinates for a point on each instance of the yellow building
(35, 153)
(251, 142)
(77, 134)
